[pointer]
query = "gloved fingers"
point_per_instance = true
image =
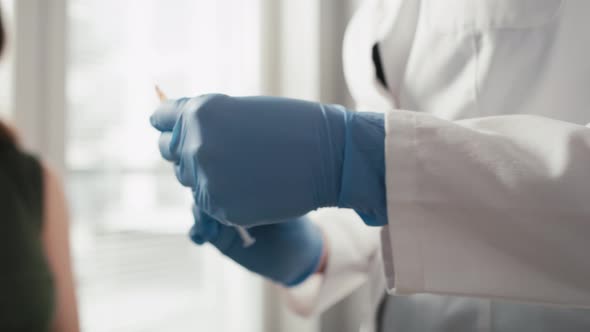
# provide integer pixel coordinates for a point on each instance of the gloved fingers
(205, 228)
(164, 143)
(185, 167)
(194, 235)
(167, 114)
(185, 172)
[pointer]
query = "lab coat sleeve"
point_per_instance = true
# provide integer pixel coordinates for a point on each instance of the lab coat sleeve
(352, 249)
(494, 207)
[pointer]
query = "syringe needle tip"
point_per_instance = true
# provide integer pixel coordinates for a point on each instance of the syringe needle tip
(160, 93)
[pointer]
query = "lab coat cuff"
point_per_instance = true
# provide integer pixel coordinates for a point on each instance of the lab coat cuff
(401, 239)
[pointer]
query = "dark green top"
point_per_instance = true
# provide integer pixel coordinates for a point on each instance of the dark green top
(26, 288)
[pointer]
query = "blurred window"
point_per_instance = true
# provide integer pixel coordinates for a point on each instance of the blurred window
(136, 269)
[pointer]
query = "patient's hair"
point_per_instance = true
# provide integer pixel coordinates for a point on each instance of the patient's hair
(6, 134)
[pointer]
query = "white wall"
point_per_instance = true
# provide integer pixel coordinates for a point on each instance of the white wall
(38, 77)
(6, 62)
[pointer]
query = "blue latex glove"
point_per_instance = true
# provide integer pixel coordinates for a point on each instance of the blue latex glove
(286, 252)
(259, 160)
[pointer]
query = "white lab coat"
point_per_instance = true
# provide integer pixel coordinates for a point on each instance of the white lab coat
(487, 158)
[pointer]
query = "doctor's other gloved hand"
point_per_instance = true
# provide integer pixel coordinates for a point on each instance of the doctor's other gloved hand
(286, 252)
(260, 160)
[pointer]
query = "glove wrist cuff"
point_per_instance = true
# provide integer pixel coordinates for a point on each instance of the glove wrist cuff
(363, 168)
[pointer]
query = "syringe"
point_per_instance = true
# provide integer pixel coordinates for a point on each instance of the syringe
(247, 239)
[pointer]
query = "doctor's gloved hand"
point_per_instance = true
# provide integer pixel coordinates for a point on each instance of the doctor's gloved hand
(259, 160)
(286, 252)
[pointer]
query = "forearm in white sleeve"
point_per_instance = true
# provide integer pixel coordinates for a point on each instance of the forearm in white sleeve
(352, 248)
(494, 207)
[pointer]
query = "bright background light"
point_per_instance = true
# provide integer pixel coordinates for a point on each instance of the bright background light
(78, 82)
(136, 269)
